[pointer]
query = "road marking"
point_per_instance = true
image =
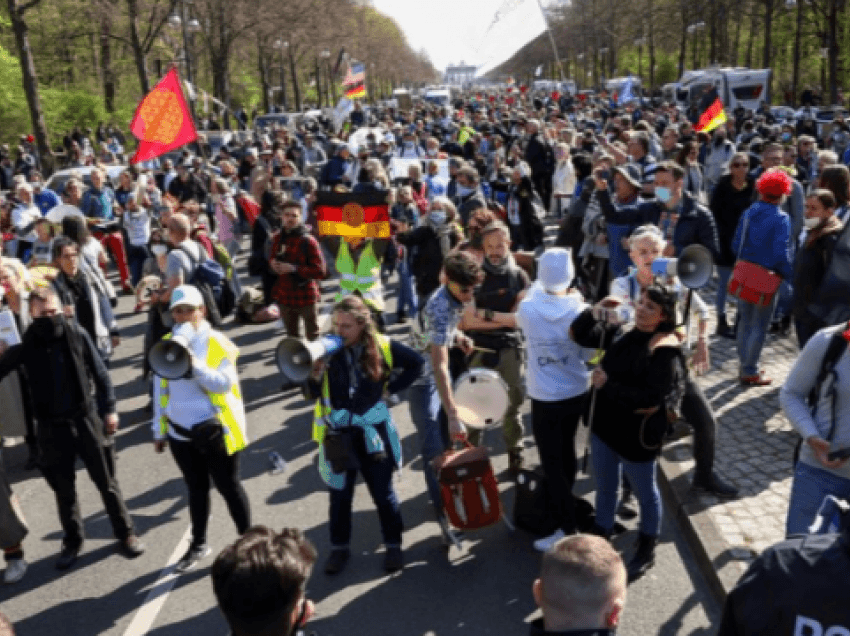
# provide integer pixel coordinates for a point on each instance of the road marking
(145, 617)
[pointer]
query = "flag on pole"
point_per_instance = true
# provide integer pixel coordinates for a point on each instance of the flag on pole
(355, 81)
(162, 121)
(514, 24)
(343, 57)
(711, 112)
(626, 92)
(364, 215)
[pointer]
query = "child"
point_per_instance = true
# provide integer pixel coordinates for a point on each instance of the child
(42, 247)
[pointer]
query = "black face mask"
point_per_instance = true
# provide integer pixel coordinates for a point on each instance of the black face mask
(48, 327)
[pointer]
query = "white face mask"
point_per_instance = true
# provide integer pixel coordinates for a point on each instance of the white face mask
(812, 223)
(159, 249)
(438, 217)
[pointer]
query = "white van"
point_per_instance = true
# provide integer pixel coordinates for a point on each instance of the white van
(744, 87)
(440, 97)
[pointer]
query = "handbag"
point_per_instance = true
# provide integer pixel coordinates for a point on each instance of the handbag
(206, 437)
(339, 450)
(750, 282)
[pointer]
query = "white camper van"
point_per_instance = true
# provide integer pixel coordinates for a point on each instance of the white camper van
(744, 87)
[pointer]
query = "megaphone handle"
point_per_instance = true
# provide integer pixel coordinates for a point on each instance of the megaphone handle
(688, 317)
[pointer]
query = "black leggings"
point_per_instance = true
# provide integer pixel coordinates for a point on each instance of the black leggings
(197, 468)
(697, 412)
(554, 425)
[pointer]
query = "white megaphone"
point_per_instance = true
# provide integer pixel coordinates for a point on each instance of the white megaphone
(295, 357)
(170, 358)
(693, 267)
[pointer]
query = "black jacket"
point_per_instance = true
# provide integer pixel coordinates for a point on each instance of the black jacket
(797, 586)
(428, 258)
(810, 267)
(407, 365)
(63, 369)
(727, 206)
(639, 377)
(539, 156)
(192, 188)
(531, 228)
(537, 629)
(830, 303)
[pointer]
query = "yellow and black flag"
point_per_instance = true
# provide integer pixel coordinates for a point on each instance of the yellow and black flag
(711, 113)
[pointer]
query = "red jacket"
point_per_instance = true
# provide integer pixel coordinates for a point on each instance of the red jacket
(300, 288)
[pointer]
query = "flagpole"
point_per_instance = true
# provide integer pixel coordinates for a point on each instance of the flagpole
(552, 40)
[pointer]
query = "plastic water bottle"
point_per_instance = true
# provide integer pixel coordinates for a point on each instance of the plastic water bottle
(277, 462)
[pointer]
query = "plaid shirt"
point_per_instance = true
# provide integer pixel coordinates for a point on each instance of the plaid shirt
(301, 288)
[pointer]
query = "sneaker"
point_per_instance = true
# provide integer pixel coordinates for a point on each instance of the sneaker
(15, 570)
(451, 537)
(337, 561)
(755, 380)
(68, 556)
(192, 556)
(545, 544)
(132, 547)
(394, 559)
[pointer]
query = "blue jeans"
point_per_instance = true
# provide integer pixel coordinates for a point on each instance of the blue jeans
(808, 490)
(406, 294)
(753, 322)
(378, 475)
(608, 467)
(786, 299)
(136, 257)
(426, 412)
(723, 276)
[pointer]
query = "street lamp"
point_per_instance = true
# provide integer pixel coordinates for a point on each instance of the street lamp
(691, 30)
(330, 89)
(282, 45)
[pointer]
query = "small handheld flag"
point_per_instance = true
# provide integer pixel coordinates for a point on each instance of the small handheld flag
(711, 112)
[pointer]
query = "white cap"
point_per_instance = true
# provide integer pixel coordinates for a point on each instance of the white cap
(186, 295)
(555, 269)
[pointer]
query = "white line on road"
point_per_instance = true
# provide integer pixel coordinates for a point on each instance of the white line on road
(145, 617)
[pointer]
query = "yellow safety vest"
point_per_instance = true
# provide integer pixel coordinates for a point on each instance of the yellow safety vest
(231, 411)
(323, 404)
(364, 277)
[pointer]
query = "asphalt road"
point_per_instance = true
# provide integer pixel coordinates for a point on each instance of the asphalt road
(484, 588)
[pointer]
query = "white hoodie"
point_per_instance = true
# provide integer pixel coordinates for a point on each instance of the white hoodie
(556, 366)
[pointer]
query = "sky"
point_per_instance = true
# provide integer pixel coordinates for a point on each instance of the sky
(451, 31)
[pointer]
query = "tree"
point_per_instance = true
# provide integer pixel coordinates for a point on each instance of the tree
(30, 80)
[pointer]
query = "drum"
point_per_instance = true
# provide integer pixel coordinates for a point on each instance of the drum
(481, 397)
(146, 287)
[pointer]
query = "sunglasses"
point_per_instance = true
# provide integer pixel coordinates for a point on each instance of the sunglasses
(739, 165)
(183, 309)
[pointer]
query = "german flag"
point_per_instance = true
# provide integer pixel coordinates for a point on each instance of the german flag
(711, 112)
(356, 92)
(353, 215)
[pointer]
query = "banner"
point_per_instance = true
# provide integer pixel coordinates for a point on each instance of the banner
(515, 23)
(162, 121)
(399, 166)
(353, 215)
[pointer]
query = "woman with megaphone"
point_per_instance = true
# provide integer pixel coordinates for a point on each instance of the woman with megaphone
(353, 426)
(646, 245)
(199, 414)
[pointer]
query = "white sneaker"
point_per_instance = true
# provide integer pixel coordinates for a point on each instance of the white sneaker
(545, 544)
(15, 570)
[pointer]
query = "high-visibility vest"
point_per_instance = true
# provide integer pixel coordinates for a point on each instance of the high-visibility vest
(363, 277)
(323, 404)
(229, 406)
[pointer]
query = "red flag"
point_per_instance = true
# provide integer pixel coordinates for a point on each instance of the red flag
(556, 96)
(162, 121)
(363, 215)
(523, 88)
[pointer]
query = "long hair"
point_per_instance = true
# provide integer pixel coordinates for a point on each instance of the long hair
(372, 359)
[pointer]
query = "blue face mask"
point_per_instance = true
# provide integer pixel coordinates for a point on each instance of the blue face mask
(663, 194)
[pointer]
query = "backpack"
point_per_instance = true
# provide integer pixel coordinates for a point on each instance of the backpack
(468, 487)
(208, 276)
(834, 350)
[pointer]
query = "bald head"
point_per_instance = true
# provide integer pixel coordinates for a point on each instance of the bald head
(178, 228)
(582, 584)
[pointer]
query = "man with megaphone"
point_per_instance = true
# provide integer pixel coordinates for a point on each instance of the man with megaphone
(199, 414)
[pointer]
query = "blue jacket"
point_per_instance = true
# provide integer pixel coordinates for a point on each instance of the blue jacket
(334, 171)
(768, 239)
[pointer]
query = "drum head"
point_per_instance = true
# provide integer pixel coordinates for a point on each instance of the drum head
(481, 397)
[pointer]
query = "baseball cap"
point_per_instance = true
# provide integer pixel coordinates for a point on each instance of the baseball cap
(186, 295)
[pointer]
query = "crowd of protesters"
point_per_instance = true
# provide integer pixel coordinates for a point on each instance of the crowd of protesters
(626, 184)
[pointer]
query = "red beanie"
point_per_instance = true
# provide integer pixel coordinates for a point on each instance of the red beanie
(774, 183)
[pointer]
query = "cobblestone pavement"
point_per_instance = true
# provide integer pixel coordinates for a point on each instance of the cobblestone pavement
(755, 444)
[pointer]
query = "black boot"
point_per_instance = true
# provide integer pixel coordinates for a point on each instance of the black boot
(723, 328)
(644, 557)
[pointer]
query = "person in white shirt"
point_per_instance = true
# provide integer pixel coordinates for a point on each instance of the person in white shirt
(24, 217)
(137, 222)
(557, 380)
(201, 417)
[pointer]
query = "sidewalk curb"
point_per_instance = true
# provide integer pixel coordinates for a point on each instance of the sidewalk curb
(720, 563)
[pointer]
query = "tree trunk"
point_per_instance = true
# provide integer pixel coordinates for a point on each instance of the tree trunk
(754, 26)
(264, 78)
(106, 62)
(795, 71)
(295, 87)
(138, 51)
(833, 51)
(712, 37)
(651, 34)
(768, 32)
(30, 82)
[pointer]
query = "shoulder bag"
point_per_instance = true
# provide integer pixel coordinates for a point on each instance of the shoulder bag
(750, 282)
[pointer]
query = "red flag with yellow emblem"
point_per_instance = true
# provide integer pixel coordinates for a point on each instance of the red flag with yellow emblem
(162, 121)
(362, 215)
